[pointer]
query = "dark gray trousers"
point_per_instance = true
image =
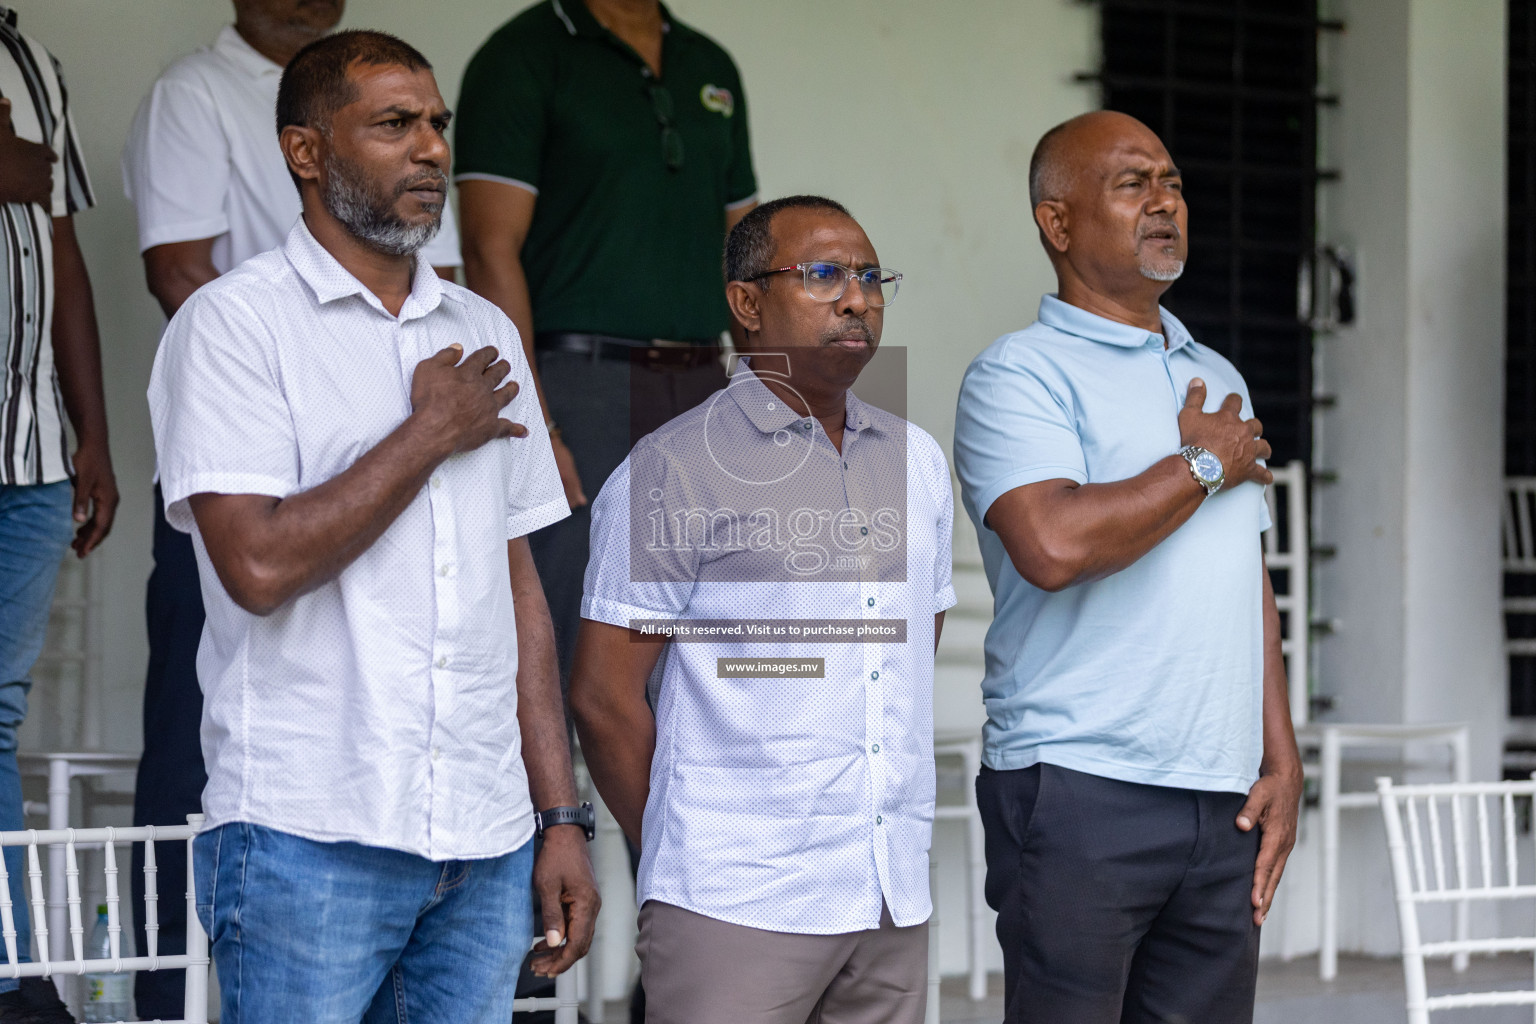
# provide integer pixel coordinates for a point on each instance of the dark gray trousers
(1119, 903)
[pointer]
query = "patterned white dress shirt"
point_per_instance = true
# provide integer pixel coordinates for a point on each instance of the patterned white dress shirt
(791, 804)
(380, 707)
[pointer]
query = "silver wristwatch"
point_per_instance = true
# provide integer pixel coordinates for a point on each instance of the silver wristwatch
(1204, 467)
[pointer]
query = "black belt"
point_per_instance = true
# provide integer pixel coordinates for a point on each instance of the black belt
(656, 351)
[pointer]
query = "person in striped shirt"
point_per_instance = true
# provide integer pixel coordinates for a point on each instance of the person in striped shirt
(51, 497)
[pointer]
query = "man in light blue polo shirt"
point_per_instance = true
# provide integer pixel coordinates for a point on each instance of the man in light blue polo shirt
(1141, 783)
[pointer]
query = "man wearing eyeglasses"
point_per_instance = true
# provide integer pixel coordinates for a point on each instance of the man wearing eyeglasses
(775, 566)
(601, 156)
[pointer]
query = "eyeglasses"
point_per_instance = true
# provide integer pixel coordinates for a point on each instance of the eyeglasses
(671, 138)
(826, 282)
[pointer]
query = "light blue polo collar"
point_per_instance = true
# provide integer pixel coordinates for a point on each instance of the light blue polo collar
(1074, 320)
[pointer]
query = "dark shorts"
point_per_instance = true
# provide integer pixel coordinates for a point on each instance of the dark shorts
(1119, 903)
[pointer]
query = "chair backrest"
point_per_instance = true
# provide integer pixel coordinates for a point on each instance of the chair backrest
(109, 840)
(1287, 552)
(1519, 524)
(1518, 528)
(1449, 843)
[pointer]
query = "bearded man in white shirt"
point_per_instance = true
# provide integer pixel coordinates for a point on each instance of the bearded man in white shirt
(207, 179)
(381, 694)
(782, 792)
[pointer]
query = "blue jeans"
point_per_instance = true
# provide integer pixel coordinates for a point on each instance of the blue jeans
(337, 933)
(35, 528)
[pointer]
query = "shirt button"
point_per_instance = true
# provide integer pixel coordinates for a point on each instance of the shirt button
(875, 674)
(445, 570)
(879, 819)
(437, 483)
(442, 661)
(875, 749)
(871, 602)
(437, 754)
(845, 465)
(864, 529)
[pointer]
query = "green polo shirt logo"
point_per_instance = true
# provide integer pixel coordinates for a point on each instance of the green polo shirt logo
(718, 99)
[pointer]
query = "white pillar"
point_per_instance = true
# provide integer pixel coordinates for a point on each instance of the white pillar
(1455, 663)
(1416, 436)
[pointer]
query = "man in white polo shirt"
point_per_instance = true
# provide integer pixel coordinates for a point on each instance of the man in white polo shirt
(795, 542)
(381, 693)
(207, 179)
(202, 164)
(1141, 779)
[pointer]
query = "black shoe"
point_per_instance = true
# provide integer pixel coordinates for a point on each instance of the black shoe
(35, 1002)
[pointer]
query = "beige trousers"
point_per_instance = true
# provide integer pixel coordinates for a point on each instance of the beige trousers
(700, 970)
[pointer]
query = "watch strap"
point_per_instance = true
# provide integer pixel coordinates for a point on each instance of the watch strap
(583, 816)
(1190, 453)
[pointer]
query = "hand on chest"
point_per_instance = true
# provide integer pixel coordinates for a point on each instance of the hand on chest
(348, 387)
(1127, 415)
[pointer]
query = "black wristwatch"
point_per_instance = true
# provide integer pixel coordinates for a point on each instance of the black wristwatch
(583, 816)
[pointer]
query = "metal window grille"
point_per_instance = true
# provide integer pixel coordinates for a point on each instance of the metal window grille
(1520, 320)
(1231, 87)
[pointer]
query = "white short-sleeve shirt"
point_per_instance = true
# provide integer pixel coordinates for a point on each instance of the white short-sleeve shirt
(381, 706)
(789, 804)
(202, 159)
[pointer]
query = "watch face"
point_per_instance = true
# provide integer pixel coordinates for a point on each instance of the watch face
(1208, 467)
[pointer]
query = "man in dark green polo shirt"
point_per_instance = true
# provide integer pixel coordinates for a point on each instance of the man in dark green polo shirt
(601, 157)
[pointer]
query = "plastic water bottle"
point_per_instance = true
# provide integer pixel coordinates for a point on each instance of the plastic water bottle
(108, 997)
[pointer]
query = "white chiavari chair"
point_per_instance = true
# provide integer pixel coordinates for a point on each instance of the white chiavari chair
(1450, 844)
(74, 961)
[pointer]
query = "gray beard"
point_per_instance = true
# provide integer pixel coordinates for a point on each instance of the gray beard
(1168, 271)
(370, 215)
